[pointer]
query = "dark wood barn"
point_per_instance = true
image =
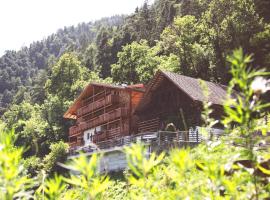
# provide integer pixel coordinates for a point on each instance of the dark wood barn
(177, 99)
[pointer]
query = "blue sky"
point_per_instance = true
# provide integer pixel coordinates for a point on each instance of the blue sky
(25, 21)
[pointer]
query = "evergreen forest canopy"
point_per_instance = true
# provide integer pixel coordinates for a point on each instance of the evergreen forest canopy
(191, 37)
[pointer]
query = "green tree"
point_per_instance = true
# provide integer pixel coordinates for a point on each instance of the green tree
(103, 57)
(263, 7)
(58, 154)
(66, 80)
(228, 30)
(183, 39)
(67, 77)
(30, 127)
(202, 43)
(129, 59)
(38, 93)
(138, 63)
(89, 57)
(261, 48)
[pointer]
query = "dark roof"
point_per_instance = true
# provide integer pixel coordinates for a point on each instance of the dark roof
(190, 86)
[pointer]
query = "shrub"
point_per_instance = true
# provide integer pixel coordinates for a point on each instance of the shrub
(58, 154)
(33, 165)
(14, 183)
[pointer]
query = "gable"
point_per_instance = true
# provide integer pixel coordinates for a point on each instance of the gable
(192, 87)
(186, 85)
(89, 89)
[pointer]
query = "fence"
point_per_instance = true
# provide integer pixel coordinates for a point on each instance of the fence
(157, 141)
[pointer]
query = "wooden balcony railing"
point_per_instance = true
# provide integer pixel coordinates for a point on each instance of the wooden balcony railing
(74, 130)
(164, 140)
(161, 140)
(110, 134)
(101, 119)
(100, 137)
(114, 132)
(107, 117)
(109, 99)
(149, 125)
(74, 144)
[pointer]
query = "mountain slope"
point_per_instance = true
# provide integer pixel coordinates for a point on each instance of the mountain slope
(19, 68)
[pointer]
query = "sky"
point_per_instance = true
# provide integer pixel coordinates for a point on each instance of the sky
(25, 21)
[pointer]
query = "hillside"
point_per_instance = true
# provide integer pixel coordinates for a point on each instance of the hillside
(97, 43)
(19, 69)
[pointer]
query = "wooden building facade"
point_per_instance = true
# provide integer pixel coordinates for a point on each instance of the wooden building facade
(108, 114)
(103, 112)
(177, 99)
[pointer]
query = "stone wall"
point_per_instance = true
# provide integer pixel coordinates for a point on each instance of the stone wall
(114, 160)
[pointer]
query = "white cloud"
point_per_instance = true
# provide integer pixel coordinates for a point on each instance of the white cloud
(24, 21)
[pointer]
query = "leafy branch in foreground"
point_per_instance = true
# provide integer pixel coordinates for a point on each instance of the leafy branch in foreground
(245, 112)
(86, 178)
(245, 109)
(14, 183)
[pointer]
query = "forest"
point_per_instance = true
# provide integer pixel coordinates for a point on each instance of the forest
(191, 37)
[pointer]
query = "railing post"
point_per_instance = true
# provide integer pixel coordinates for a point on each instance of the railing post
(177, 139)
(158, 138)
(197, 136)
(186, 139)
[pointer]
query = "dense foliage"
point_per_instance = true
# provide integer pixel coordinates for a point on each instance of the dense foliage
(234, 167)
(21, 71)
(40, 124)
(192, 37)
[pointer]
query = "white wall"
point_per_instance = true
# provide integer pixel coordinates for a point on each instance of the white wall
(87, 136)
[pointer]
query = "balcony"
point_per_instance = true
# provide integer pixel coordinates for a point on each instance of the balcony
(108, 100)
(110, 134)
(107, 117)
(74, 130)
(101, 136)
(160, 140)
(107, 135)
(100, 120)
(120, 112)
(74, 144)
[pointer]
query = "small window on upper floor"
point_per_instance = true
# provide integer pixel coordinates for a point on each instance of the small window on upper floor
(115, 92)
(73, 139)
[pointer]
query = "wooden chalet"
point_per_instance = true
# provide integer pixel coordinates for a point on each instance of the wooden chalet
(177, 99)
(111, 115)
(103, 112)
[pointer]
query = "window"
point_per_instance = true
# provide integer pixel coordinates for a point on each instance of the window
(73, 139)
